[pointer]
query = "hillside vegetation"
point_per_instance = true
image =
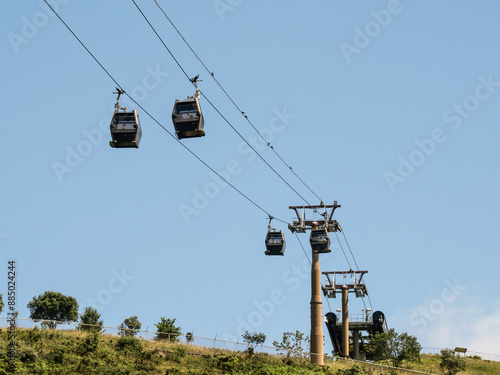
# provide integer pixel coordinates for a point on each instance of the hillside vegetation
(75, 352)
(474, 365)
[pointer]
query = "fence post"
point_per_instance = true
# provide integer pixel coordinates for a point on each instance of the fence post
(169, 337)
(215, 338)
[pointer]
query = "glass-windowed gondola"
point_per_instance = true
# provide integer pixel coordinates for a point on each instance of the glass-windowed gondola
(320, 241)
(275, 242)
(188, 119)
(125, 127)
(187, 116)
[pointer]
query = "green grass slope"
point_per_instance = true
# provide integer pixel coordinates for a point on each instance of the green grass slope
(72, 352)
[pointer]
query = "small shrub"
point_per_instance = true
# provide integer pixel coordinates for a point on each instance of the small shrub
(129, 344)
(145, 367)
(229, 364)
(57, 356)
(27, 354)
(249, 351)
(172, 371)
(354, 370)
(451, 362)
(181, 351)
(90, 343)
(33, 335)
(176, 355)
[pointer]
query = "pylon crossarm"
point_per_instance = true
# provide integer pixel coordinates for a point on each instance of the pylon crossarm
(357, 286)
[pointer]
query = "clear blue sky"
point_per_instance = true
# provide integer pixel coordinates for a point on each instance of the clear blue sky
(388, 107)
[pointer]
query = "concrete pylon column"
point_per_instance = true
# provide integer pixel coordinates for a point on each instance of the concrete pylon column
(345, 321)
(316, 313)
(355, 345)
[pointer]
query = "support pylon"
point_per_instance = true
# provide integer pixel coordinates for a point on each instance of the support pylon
(345, 320)
(316, 356)
(320, 243)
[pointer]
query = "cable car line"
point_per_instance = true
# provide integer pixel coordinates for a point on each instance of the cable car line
(119, 87)
(349, 263)
(328, 301)
(252, 125)
(362, 298)
(347, 242)
(349, 246)
(215, 108)
(343, 251)
(155, 120)
(304, 250)
(268, 144)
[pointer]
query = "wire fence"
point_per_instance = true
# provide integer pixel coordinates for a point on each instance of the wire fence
(216, 343)
(207, 342)
(468, 353)
(384, 369)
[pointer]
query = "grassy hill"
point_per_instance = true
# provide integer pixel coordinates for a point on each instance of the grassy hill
(475, 366)
(73, 352)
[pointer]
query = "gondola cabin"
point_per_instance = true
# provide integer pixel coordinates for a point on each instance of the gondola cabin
(275, 243)
(188, 119)
(125, 130)
(320, 241)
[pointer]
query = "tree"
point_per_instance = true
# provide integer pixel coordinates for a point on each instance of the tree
(451, 363)
(130, 326)
(89, 320)
(1, 304)
(166, 330)
(292, 344)
(253, 339)
(394, 346)
(189, 337)
(53, 307)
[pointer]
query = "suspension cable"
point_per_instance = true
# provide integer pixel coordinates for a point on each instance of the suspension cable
(215, 108)
(345, 256)
(356, 263)
(155, 120)
(268, 144)
(304, 250)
